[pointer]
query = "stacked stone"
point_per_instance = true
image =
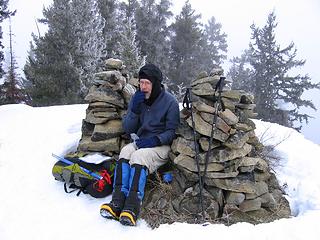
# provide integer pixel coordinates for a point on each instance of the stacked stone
(108, 99)
(237, 180)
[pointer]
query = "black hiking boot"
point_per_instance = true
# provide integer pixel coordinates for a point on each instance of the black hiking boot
(130, 212)
(131, 209)
(113, 209)
(110, 211)
(128, 218)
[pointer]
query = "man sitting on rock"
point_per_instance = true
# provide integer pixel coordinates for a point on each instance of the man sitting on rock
(153, 115)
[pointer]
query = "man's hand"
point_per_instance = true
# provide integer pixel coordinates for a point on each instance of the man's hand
(137, 99)
(148, 142)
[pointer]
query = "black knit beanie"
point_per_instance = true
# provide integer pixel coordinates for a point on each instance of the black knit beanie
(154, 74)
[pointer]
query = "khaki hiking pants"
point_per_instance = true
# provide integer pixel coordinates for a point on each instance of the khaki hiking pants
(152, 158)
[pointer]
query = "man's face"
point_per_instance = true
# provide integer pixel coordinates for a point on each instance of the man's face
(146, 87)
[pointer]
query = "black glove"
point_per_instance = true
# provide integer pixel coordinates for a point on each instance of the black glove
(137, 99)
(148, 142)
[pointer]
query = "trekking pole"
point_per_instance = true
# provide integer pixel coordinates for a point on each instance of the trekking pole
(66, 161)
(217, 105)
(187, 103)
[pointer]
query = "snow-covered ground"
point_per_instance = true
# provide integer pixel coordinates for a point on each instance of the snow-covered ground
(34, 206)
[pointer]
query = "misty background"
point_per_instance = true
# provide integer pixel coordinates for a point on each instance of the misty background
(297, 22)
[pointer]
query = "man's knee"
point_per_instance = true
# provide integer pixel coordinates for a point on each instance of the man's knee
(127, 151)
(142, 157)
(148, 158)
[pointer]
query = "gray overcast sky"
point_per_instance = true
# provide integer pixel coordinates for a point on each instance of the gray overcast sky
(298, 22)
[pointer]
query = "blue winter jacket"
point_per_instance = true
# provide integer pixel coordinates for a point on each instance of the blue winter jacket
(160, 119)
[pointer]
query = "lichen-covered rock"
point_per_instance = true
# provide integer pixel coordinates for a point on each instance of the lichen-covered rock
(204, 128)
(224, 154)
(110, 129)
(113, 63)
(128, 92)
(189, 163)
(183, 146)
(109, 145)
(99, 117)
(211, 80)
(229, 117)
(105, 94)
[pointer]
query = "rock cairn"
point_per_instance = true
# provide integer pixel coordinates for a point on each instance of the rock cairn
(238, 185)
(108, 99)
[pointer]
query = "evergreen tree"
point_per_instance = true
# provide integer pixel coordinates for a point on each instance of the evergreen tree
(185, 45)
(2, 95)
(128, 45)
(49, 81)
(128, 48)
(4, 14)
(11, 90)
(127, 11)
(145, 18)
(87, 26)
(61, 64)
(241, 73)
(109, 12)
(125, 16)
(153, 31)
(214, 45)
(273, 84)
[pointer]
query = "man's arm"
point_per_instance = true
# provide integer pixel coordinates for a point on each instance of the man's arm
(130, 121)
(172, 122)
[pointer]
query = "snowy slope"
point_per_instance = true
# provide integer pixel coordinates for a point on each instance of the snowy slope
(34, 206)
